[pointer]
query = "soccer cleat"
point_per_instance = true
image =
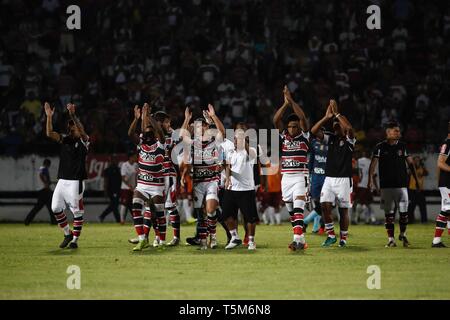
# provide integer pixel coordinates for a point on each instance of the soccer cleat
(405, 241)
(329, 241)
(294, 246)
(193, 241)
(391, 244)
(342, 243)
(133, 240)
(174, 242)
(73, 245)
(321, 231)
(251, 246)
(203, 244)
(66, 241)
(213, 242)
(141, 245)
(233, 244)
(438, 245)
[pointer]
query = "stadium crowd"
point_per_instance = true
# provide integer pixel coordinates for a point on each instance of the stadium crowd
(236, 54)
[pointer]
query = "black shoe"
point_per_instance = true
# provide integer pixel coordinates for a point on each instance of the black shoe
(438, 245)
(73, 245)
(66, 241)
(405, 240)
(193, 241)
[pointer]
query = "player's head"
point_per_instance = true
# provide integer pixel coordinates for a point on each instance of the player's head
(293, 125)
(132, 157)
(393, 131)
(73, 130)
(337, 128)
(47, 163)
(148, 137)
(200, 126)
(241, 125)
(163, 119)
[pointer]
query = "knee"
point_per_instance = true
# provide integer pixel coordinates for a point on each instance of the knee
(300, 202)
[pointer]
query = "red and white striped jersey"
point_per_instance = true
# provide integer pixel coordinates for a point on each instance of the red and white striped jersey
(151, 164)
(205, 161)
(294, 152)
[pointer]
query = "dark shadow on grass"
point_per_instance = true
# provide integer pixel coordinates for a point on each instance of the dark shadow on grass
(63, 252)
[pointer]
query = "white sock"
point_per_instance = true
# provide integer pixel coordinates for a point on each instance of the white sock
(391, 239)
(123, 211)
(448, 224)
(251, 239)
(278, 217)
(66, 230)
(157, 238)
(75, 239)
(141, 237)
(187, 209)
(299, 238)
(271, 213)
(264, 217)
(436, 240)
(234, 234)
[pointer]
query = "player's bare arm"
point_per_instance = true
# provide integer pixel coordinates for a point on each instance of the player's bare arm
(297, 109)
(373, 165)
(216, 120)
(441, 163)
(316, 130)
(277, 118)
(344, 123)
(147, 120)
(132, 129)
(49, 127)
(71, 108)
(185, 134)
(228, 176)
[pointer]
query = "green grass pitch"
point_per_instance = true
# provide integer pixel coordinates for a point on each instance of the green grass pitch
(33, 267)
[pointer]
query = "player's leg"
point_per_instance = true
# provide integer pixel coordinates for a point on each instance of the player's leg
(158, 202)
(386, 202)
(41, 201)
(174, 216)
(220, 215)
(327, 199)
(140, 196)
(344, 196)
(402, 196)
(58, 206)
(247, 205)
(443, 218)
(108, 209)
(75, 200)
(199, 191)
(116, 200)
(230, 211)
(212, 203)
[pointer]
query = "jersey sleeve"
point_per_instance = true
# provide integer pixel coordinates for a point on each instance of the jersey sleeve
(406, 152)
(123, 171)
(377, 151)
(326, 137)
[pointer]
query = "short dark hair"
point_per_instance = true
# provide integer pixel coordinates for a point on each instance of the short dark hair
(241, 124)
(47, 162)
(161, 116)
(292, 117)
(392, 124)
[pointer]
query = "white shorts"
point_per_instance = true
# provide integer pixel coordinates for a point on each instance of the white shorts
(205, 191)
(170, 190)
(150, 191)
(339, 189)
(391, 196)
(68, 193)
(445, 198)
(294, 185)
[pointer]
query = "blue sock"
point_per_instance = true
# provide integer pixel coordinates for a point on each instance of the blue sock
(316, 225)
(310, 217)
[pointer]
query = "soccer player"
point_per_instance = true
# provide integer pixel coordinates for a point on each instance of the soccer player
(338, 184)
(363, 194)
(206, 169)
(240, 190)
(294, 165)
(442, 219)
(317, 164)
(392, 156)
(71, 174)
(150, 179)
(128, 171)
(112, 183)
(44, 195)
(170, 176)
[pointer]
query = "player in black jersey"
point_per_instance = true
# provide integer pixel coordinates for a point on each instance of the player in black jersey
(338, 171)
(392, 156)
(71, 174)
(443, 164)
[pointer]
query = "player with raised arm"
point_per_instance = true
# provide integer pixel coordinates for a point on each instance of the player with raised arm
(150, 179)
(206, 170)
(294, 142)
(338, 172)
(71, 174)
(391, 156)
(443, 165)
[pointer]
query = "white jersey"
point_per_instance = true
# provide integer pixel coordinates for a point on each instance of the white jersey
(363, 166)
(225, 147)
(241, 170)
(128, 170)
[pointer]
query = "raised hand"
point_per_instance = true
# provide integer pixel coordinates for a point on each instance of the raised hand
(211, 111)
(187, 113)
(207, 117)
(146, 109)
(71, 108)
(287, 94)
(48, 110)
(137, 112)
(334, 107)
(329, 114)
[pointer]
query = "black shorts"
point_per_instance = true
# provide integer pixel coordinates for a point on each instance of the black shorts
(243, 200)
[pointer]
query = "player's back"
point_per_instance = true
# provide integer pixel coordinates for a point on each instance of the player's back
(72, 162)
